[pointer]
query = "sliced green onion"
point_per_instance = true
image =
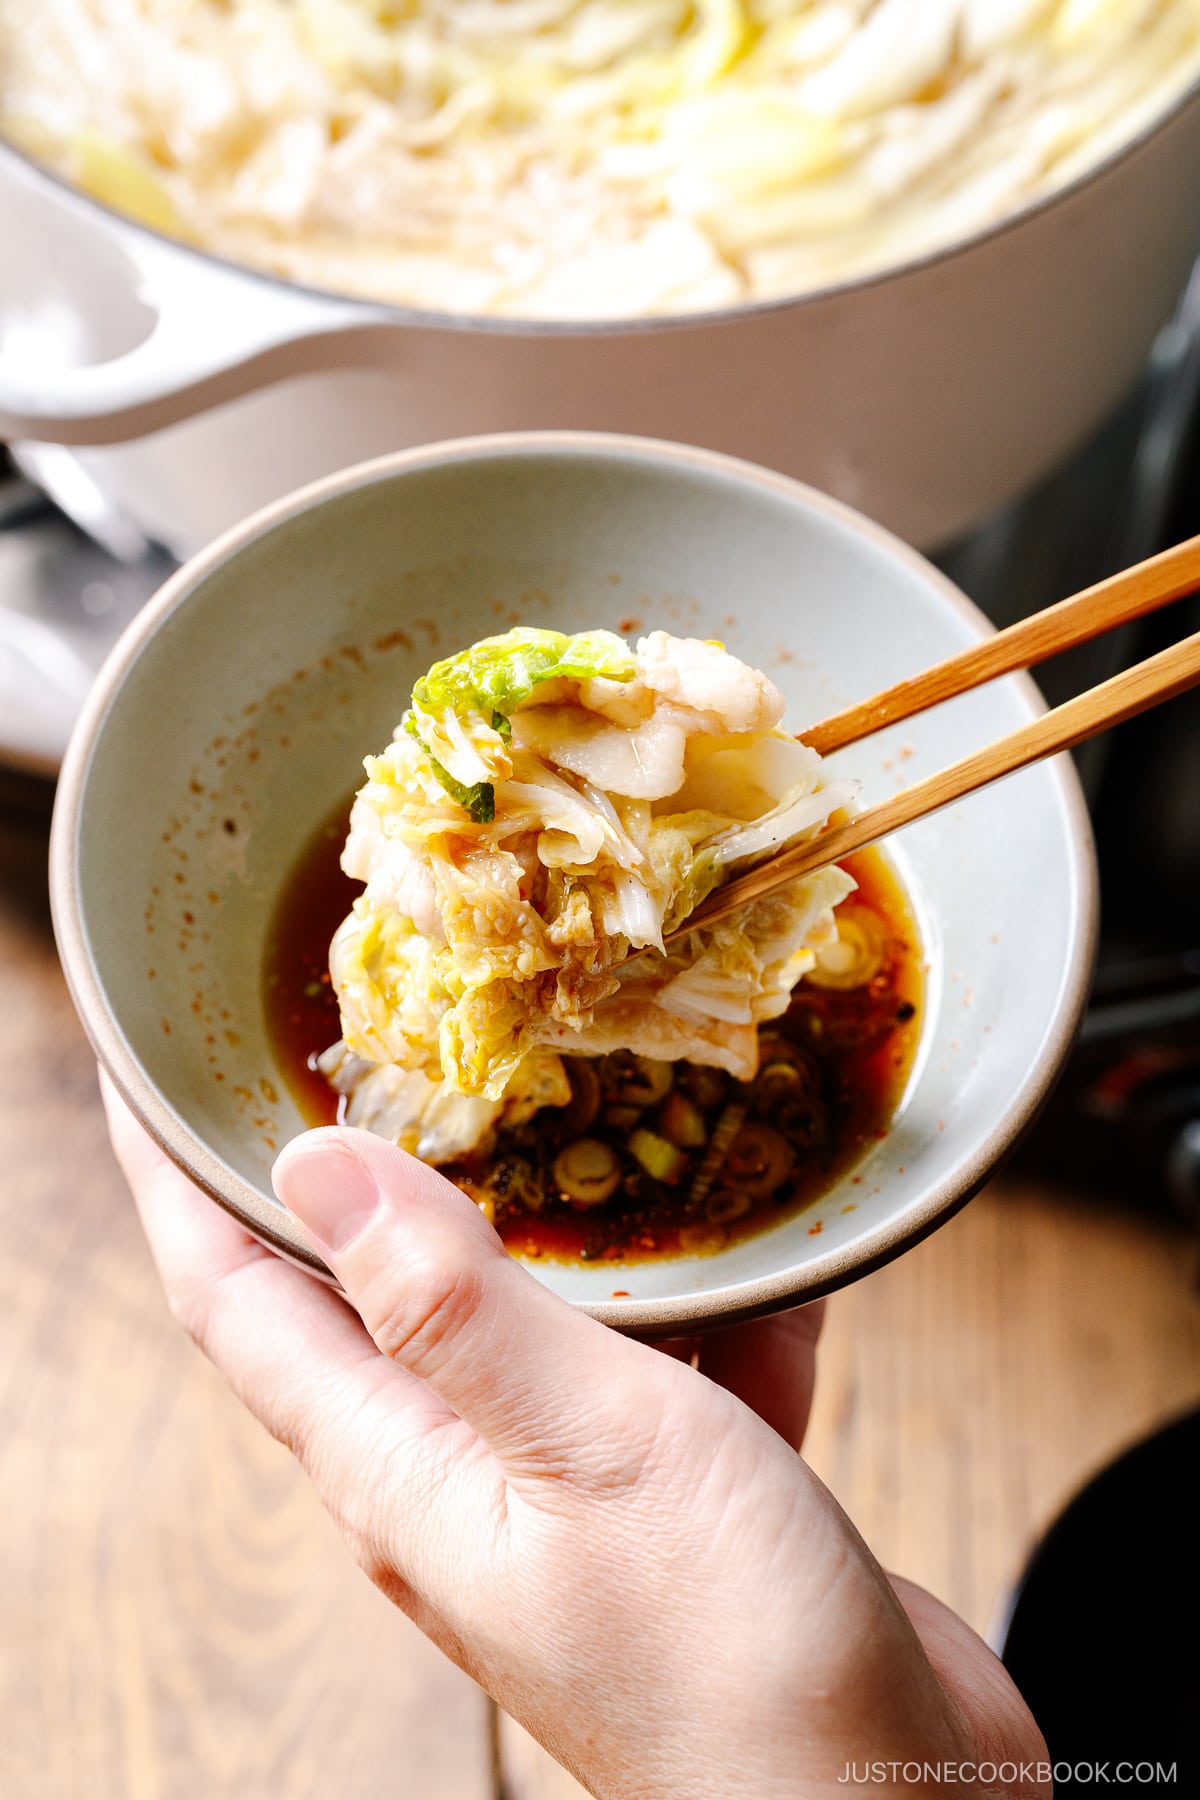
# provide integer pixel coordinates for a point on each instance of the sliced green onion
(621, 1118)
(759, 1161)
(658, 1157)
(636, 1080)
(855, 956)
(587, 1172)
(682, 1122)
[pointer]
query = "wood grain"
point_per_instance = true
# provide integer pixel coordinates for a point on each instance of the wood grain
(1118, 600)
(967, 1390)
(1149, 683)
(181, 1620)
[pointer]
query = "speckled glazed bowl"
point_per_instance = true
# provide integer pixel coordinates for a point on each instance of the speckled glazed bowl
(235, 712)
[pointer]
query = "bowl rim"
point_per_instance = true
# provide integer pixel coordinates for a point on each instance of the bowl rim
(685, 1313)
(506, 325)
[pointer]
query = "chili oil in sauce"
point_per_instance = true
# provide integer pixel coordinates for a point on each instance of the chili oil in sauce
(686, 1158)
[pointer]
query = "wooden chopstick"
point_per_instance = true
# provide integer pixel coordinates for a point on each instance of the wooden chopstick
(1130, 595)
(1148, 683)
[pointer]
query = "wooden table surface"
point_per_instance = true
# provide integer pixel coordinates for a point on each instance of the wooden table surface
(181, 1622)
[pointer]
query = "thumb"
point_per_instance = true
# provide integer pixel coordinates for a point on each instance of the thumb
(440, 1295)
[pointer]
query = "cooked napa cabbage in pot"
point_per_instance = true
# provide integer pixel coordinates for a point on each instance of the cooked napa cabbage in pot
(570, 159)
(549, 804)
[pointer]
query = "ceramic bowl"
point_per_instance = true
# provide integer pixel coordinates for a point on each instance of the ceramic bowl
(235, 712)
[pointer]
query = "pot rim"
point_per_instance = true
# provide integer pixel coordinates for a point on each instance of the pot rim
(425, 318)
(719, 1306)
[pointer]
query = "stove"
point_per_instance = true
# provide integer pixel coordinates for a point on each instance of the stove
(1125, 1119)
(64, 601)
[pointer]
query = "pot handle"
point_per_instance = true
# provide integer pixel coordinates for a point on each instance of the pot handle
(108, 332)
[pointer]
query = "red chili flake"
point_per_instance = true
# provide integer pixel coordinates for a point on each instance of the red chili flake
(814, 1229)
(620, 1293)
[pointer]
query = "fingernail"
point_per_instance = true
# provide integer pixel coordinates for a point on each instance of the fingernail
(329, 1191)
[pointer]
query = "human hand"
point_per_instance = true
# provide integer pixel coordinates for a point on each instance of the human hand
(631, 1561)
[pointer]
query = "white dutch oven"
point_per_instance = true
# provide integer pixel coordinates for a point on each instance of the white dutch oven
(926, 395)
